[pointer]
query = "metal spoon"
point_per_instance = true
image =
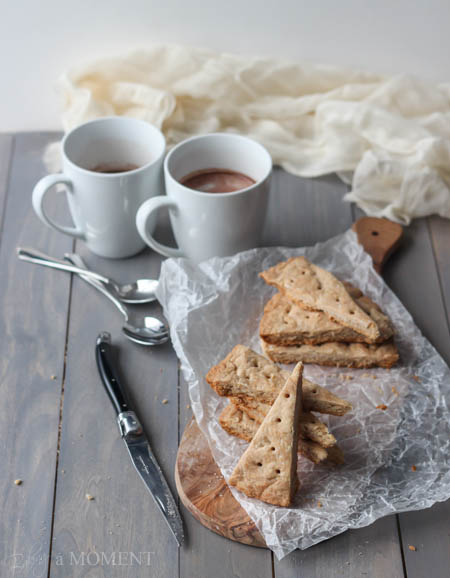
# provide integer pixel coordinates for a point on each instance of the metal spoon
(145, 330)
(141, 291)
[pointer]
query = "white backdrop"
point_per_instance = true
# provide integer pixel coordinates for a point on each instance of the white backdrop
(39, 39)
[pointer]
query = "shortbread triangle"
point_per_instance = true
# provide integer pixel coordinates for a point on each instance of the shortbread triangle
(247, 376)
(268, 468)
(311, 428)
(237, 423)
(317, 289)
(286, 323)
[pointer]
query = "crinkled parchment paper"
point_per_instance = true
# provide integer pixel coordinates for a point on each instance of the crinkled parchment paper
(213, 306)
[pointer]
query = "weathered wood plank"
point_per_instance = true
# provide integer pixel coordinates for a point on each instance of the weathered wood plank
(322, 213)
(207, 554)
(34, 306)
(6, 151)
(93, 459)
(428, 530)
(303, 212)
(440, 237)
(412, 274)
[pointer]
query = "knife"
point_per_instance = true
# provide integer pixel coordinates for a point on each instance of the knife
(135, 440)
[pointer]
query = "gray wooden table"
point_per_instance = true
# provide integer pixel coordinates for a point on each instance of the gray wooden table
(57, 429)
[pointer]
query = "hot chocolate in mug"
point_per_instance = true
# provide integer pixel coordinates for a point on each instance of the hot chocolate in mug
(217, 189)
(110, 167)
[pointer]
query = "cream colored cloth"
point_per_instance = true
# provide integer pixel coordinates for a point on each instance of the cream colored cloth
(389, 137)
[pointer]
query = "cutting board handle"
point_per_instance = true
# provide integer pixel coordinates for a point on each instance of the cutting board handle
(379, 237)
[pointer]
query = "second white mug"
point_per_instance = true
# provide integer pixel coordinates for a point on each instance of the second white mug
(207, 224)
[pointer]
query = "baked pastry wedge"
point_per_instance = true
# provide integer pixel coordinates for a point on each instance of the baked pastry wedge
(316, 289)
(286, 323)
(252, 378)
(267, 469)
(237, 423)
(311, 428)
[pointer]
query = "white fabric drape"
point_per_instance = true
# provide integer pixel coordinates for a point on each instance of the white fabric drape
(389, 136)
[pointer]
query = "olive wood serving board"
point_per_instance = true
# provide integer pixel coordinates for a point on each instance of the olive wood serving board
(206, 495)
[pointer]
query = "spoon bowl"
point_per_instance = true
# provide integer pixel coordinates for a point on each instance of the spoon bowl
(145, 327)
(132, 336)
(141, 291)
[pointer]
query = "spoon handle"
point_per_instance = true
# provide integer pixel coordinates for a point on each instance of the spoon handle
(34, 256)
(80, 265)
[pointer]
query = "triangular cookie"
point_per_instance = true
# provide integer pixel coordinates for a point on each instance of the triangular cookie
(244, 372)
(254, 379)
(317, 289)
(315, 398)
(268, 468)
(311, 428)
(286, 323)
(237, 423)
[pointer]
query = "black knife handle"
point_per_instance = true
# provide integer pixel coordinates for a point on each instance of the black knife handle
(114, 389)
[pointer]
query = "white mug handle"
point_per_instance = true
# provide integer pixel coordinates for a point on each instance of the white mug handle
(39, 192)
(142, 216)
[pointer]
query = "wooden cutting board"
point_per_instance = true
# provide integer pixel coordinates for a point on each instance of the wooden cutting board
(205, 493)
(200, 484)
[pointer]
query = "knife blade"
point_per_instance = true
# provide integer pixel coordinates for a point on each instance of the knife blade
(135, 440)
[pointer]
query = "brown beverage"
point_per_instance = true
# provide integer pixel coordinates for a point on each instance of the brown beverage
(114, 168)
(217, 181)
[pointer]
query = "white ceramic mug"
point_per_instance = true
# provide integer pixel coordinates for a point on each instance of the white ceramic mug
(104, 205)
(211, 224)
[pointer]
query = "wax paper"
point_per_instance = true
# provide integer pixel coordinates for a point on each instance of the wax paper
(396, 459)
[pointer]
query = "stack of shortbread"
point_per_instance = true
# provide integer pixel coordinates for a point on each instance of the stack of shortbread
(315, 318)
(267, 410)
